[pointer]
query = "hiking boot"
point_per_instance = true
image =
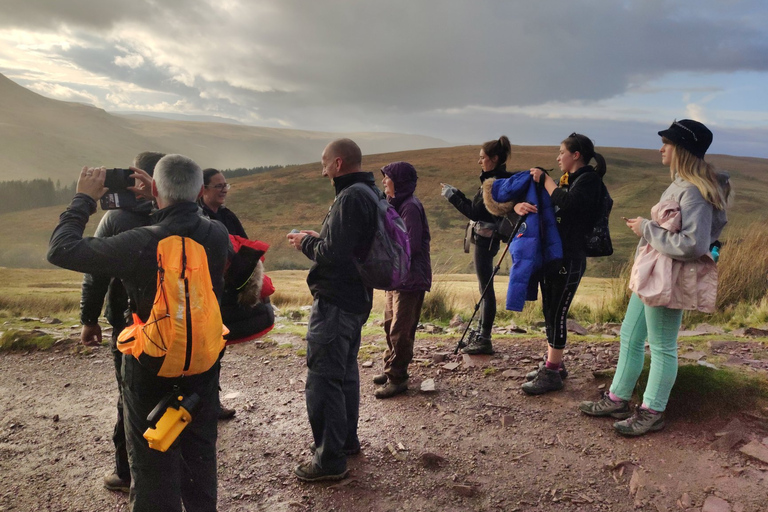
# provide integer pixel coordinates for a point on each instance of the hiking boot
(114, 483)
(311, 473)
(391, 389)
(562, 370)
(380, 379)
(606, 407)
(544, 382)
(347, 451)
(642, 422)
(224, 413)
(478, 345)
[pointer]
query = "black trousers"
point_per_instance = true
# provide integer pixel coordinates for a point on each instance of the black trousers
(558, 286)
(485, 250)
(187, 471)
(122, 468)
(333, 382)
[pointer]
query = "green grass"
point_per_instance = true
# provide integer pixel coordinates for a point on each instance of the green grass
(18, 341)
(702, 393)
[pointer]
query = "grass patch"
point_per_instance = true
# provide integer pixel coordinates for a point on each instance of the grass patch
(438, 304)
(703, 393)
(16, 340)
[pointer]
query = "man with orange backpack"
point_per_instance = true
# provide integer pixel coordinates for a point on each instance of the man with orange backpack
(172, 348)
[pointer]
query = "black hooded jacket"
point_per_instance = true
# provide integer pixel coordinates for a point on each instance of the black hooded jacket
(348, 229)
(475, 209)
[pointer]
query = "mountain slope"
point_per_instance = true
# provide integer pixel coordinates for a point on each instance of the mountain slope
(45, 138)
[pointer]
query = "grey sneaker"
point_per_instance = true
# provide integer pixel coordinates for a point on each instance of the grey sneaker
(642, 422)
(311, 473)
(478, 345)
(606, 407)
(114, 483)
(544, 382)
(380, 379)
(562, 370)
(391, 389)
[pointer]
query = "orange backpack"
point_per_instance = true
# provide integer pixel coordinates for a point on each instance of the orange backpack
(184, 333)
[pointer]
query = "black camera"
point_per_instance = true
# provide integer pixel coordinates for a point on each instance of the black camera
(118, 195)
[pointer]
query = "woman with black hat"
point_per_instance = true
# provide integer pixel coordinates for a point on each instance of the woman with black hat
(694, 216)
(493, 164)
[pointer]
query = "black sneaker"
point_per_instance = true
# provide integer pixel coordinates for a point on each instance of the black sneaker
(544, 382)
(347, 451)
(380, 379)
(114, 483)
(562, 370)
(606, 407)
(311, 473)
(642, 422)
(478, 345)
(225, 413)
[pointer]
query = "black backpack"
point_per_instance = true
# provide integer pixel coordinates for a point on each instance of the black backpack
(599, 239)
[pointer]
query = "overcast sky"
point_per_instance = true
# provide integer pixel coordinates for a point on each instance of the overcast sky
(464, 71)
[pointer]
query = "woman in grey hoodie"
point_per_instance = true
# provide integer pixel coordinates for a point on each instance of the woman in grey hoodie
(702, 195)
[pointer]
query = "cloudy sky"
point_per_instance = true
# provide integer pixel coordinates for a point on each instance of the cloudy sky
(462, 70)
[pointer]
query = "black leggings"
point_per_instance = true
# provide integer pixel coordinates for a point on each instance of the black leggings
(558, 287)
(485, 251)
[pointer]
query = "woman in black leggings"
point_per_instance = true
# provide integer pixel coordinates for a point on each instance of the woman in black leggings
(493, 164)
(576, 199)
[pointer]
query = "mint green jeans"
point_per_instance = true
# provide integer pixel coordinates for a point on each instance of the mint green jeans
(659, 325)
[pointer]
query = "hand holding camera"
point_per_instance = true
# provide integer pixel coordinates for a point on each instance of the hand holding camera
(91, 182)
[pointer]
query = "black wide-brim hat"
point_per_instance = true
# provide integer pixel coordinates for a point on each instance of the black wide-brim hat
(689, 134)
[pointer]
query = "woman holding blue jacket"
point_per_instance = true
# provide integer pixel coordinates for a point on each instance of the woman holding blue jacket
(576, 201)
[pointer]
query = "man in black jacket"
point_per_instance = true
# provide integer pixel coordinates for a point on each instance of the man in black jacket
(187, 471)
(341, 307)
(95, 288)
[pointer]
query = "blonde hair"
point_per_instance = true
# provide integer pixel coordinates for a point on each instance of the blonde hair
(700, 173)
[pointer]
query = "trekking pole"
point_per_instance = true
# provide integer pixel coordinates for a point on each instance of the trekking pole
(462, 343)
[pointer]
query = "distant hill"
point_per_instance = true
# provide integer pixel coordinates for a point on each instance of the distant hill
(45, 138)
(273, 203)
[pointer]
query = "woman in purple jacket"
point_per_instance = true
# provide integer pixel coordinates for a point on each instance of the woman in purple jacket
(403, 306)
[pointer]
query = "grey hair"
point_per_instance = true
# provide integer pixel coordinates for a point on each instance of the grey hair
(178, 178)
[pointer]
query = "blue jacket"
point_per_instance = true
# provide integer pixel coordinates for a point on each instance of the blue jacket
(536, 243)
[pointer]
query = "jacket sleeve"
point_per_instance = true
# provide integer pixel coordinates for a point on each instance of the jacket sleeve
(95, 286)
(693, 239)
(118, 255)
(583, 197)
(467, 208)
(343, 232)
(411, 215)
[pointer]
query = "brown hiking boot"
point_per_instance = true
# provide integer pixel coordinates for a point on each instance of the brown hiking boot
(391, 389)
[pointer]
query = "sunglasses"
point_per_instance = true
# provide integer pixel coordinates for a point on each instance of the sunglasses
(686, 129)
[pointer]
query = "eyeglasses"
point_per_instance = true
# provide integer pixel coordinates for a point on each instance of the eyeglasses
(686, 129)
(220, 186)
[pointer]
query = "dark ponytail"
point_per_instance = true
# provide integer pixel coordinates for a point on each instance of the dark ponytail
(584, 145)
(498, 148)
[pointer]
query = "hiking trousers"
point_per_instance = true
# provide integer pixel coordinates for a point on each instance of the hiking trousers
(485, 250)
(122, 468)
(161, 481)
(401, 317)
(333, 382)
(659, 325)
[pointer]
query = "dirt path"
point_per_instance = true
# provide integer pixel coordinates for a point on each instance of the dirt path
(476, 443)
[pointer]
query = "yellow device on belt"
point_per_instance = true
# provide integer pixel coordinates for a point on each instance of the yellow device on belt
(169, 418)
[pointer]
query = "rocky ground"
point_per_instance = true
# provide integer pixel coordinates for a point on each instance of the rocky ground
(474, 443)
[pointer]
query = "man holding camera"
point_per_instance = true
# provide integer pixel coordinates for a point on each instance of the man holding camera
(187, 471)
(341, 307)
(95, 288)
